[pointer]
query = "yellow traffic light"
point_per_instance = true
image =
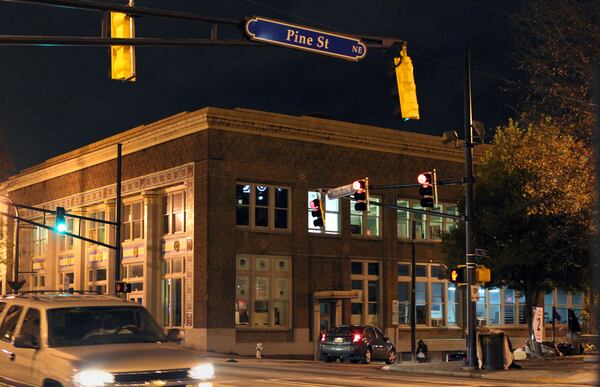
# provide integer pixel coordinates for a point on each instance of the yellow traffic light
(407, 90)
(122, 57)
(483, 274)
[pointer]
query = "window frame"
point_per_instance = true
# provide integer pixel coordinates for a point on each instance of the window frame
(271, 207)
(95, 229)
(169, 214)
(252, 271)
(128, 226)
(516, 305)
(446, 224)
(312, 230)
(167, 280)
(365, 216)
(363, 298)
(428, 279)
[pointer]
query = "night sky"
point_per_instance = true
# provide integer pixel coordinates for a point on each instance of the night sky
(56, 99)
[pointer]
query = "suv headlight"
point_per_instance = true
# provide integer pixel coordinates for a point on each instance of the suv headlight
(93, 378)
(202, 371)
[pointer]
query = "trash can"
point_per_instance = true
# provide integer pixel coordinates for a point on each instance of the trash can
(492, 346)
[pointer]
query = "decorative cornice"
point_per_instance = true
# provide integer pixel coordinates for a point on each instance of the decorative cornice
(299, 128)
(107, 194)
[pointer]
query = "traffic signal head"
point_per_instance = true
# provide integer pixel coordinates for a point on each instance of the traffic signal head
(122, 287)
(316, 210)
(361, 196)
(122, 57)
(427, 190)
(458, 275)
(407, 90)
(60, 224)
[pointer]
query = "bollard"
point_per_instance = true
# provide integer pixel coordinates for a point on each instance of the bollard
(259, 349)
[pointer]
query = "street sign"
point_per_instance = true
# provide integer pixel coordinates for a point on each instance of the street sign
(474, 293)
(395, 312)
(303, 38)
(345, 190)
(538, 323)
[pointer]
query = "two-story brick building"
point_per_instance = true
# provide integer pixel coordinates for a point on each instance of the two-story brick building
(218, 240)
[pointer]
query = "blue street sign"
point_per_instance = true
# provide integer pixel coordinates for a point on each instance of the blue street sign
(304, 38)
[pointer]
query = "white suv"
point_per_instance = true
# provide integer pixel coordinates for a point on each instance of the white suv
(90, 340)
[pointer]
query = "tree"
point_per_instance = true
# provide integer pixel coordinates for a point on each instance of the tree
(533, 210)
(556, 45)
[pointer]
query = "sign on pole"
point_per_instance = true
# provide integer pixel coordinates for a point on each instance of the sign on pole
(345, 190)
(395, 312)
(304, 38)
(538, 323)
(474, 293)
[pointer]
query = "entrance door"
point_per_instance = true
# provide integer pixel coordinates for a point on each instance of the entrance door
(327, 315)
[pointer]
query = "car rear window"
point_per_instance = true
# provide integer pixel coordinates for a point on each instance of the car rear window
(346, 330)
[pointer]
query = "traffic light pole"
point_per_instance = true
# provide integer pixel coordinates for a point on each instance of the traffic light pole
(118, 249)
(469, 242)
(413, 284)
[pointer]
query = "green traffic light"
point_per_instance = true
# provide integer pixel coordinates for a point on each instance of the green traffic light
(60, 224)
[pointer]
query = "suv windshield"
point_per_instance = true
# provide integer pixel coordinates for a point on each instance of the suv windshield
(101, 325)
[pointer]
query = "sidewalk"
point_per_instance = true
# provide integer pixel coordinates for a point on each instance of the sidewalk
(565, 370)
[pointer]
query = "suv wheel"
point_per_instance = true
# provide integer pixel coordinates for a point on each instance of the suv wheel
(391, 358)
(367, 357)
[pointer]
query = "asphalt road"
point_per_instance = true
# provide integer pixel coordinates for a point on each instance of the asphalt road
(265, 372)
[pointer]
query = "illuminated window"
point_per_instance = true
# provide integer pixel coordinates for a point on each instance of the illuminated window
(133, 221)
(172, 285)
(366, 223)
(40, 241)
(65, 243)
(263, 287)
(96, 230)
(174, 215)
(366, 278)
(262, 206)
(332, 215)
(428, 225)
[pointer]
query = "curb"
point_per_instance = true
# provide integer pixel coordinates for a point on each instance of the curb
(457, 374)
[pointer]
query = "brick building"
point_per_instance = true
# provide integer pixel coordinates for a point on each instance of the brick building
(218, 240)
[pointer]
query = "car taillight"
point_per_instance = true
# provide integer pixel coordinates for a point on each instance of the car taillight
(357, 338)
(323, 337)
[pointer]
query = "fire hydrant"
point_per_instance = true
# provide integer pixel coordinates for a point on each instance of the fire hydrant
(259, 349)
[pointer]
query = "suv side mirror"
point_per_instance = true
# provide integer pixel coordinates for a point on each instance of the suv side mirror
(174, 335)
(26, 341)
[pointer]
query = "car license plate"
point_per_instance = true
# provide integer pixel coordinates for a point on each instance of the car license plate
(338, 340)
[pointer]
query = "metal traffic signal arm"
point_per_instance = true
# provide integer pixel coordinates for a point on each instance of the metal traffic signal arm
(373, 42)
(51, 228)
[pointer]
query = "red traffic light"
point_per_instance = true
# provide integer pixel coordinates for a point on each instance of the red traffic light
(359, 185)
(424, 178)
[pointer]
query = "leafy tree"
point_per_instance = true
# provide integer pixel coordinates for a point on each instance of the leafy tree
(533, 210)
(556, 45)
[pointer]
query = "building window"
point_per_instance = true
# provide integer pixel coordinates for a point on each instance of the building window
(332, 215)
(133, 221)
(97, 229)
(174, 212)
(172, 285)
(262, 206)
(66, 280)
(133, 274)
(431, 294)
(366, 278)
(65, 243)
(97, 280)
(263, 291)
(500, 306)
(428, 226)
(40, 241)
(562, 302)
(366, 223)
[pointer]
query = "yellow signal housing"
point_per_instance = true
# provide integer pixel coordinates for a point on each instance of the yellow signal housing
(407, 90)
(122, 57)
(483, 274)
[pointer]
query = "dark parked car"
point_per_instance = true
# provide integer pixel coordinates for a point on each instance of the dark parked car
(356, 343)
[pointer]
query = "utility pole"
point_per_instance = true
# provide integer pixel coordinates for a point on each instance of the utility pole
(118, 218)
(413, 284)
(469, 242)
